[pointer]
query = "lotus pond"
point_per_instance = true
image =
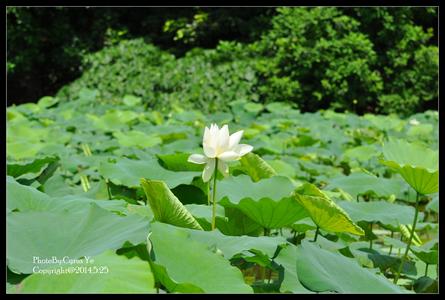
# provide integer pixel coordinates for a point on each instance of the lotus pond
(102, 198)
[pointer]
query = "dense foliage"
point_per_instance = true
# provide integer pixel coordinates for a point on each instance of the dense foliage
(323, 204)
(55, 39)
(198, 80)
(313, 58)
(326, 57)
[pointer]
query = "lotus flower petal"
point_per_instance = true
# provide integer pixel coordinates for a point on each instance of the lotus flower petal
(243, 149)
(229, 156)
(197, 159)
(208, 170)
(223, 168)
(235, 138)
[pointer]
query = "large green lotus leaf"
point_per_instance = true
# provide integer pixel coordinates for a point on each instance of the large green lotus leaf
(71, 162)
(229, 220)
(418, 165)
(137, 139)
(361, 153)
(113, 120)
(219, 117)
(23, 149)
(269, 213)
(25, 130)
(267, 202)
(362, 183)
(283, 168)
(171, 133)
(109, 273)
(321, 270)
(288, 259)
(256, 167)
(29, 169)
(89, 230)
(315, 169)
(57, 186)
(74, 201)
(379, 211)
(129, 172)
(168, 132)
(189, 116)
(231, 245)
(203, 213)
(142, 210)
(264, 144)
(242, 186)
(329, 245)
(190, 145)
(166, 207)
(238, 223)
(25, 198)
(178, 162)
(324, 212)
(304, 225)
(374, 259)
(188, 262)
(428, 252)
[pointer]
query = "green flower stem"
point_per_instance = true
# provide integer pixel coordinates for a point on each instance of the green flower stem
(316, 234)
(370, 238)
(214, 195)
(266, 231)
(426, 269)
(108, 189)
(208, 193)
(390, 247)
(405, 256)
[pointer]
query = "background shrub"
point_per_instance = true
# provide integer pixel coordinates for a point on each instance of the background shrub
(45, 45)
(202, 78)
(379, 60)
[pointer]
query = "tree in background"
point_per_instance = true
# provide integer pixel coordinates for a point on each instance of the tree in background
(381, 60)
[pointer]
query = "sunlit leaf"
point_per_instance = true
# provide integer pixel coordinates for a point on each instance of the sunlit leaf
(268, 202)
(165, 206)
(256, 167)
(324, 212)
(417, 165)
(379, 211)
(89, 230)
(129, 172)
(321, 270)
(194, 269)
(99, 274)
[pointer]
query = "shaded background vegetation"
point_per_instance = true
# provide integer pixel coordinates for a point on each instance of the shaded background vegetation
(380, 60)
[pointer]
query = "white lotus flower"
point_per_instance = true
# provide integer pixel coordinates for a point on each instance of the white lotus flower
(219, 145)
